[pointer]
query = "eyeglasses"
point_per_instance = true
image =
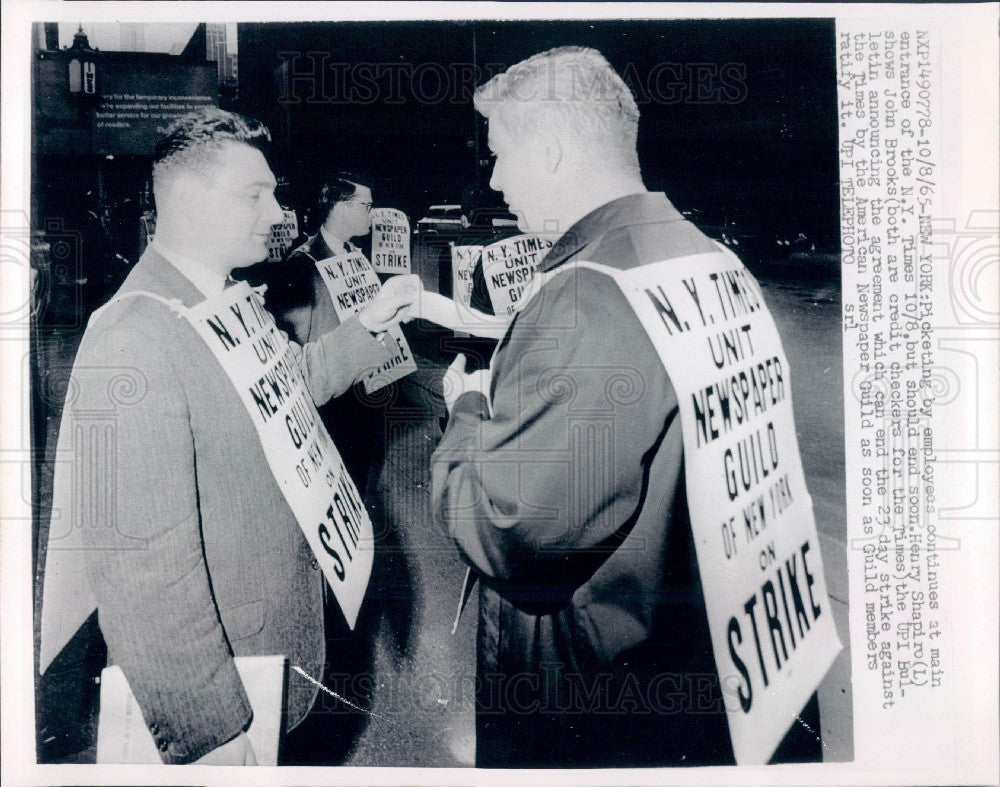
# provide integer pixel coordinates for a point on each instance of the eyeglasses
(366, 205)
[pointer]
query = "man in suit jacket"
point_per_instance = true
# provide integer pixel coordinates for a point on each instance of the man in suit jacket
(561, 480)
(302, 306)
(172, 523)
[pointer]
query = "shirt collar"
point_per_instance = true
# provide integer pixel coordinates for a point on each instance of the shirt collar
(627, 211)
(209, 282)
(335, 244)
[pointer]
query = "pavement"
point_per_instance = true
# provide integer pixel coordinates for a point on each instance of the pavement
(418, 691)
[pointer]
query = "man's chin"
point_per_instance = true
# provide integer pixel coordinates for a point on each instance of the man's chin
(250, 257)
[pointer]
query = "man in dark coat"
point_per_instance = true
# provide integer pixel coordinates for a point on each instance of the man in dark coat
(561, 479)
(301, 304)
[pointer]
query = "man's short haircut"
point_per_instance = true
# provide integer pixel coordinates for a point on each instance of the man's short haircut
(338, 188)
(571, 87)
(193, 137)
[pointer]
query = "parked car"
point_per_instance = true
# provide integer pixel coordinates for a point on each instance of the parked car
(442, 220)
(492, 218)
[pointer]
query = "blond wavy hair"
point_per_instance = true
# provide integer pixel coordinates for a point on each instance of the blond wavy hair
(570, 89)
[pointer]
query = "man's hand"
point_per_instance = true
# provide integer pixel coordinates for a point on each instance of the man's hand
(238, 751)
(457, 381)
(393, 304)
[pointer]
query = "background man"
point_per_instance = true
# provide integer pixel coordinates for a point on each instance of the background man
(191, 552)
(301, 303)
(302, 306)
(562, 481)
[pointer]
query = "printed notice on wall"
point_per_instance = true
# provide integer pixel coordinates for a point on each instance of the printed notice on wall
(390, 241)
(136, 105)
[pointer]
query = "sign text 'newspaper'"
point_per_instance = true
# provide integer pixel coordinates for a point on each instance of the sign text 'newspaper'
(508, 266)
(758, 550)
(352, 283)
(256, 356)
(463, 262)
(390, 241)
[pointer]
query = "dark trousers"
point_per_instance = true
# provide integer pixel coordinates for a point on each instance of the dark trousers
(515, 739)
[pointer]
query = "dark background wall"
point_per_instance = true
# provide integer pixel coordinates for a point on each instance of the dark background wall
(738, 117)
(738, 124)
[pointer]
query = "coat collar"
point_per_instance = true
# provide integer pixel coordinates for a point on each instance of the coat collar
(155, 273)
(317, 247)
(208, 281)
(628, 211)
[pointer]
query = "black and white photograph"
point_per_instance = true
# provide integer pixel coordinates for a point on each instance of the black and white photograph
(499, 389)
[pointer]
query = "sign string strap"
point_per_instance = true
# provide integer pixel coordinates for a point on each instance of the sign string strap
(174, 304)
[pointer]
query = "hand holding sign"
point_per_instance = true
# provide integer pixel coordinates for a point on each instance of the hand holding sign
(355, 289)
(393, 304)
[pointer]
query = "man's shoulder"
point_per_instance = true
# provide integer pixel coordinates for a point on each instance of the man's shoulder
(578, 300)
(144, 319)
(621, 247)
(631, 246)
(312, 249)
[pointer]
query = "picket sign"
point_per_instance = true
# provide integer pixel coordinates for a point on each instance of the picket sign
(390, 241)
(283, 235)
(352, 284)
(509, 266)
(758, 550)
(262, 367)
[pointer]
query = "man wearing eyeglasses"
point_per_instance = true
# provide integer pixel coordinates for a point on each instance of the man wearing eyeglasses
(175, 526)
(346, 199)
(302, 305)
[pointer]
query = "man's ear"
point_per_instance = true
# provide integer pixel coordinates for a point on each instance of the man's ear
(333, 214)
(553, 153)
(181, 192)
(545, 153)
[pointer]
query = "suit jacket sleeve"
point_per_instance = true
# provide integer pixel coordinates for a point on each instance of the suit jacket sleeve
(145, 558)
(536, 493)
(338, 359)
(333, 355)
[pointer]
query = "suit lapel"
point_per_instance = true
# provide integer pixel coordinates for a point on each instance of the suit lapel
(318, 248)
